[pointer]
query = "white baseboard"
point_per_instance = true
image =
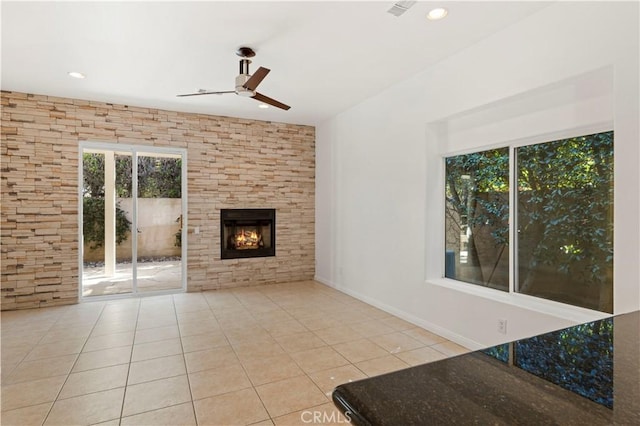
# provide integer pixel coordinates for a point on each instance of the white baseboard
(447, 334)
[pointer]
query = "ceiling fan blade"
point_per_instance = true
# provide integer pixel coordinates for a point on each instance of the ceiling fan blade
(256, 78)
(204, 92)
(267, 100)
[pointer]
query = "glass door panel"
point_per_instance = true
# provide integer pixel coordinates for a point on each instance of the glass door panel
(107, 223)
(159, 213)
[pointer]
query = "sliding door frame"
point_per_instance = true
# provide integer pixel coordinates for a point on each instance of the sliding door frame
(133, 150)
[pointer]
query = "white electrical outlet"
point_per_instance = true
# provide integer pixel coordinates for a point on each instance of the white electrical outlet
(196, 230)
(502, 326)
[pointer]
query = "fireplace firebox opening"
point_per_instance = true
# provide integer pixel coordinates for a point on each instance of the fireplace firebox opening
(247, 233)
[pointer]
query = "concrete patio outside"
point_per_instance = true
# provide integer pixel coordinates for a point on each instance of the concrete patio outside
(152, 276)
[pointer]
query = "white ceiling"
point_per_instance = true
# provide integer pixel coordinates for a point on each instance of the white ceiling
(324, 56)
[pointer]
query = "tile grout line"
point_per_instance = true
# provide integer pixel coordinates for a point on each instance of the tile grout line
(184, 359)
(72, 366)
(253, 386)
(126, 381)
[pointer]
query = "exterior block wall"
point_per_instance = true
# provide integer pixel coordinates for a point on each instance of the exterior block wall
(231, 163)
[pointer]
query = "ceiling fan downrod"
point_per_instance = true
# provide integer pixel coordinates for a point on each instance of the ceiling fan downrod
(244, 66)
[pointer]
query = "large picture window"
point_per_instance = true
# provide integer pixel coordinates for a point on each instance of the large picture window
(563, 220)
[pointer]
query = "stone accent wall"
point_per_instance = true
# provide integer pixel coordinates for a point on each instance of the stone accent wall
(231, 163)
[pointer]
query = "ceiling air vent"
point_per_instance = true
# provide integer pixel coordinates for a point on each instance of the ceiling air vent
(400, 7)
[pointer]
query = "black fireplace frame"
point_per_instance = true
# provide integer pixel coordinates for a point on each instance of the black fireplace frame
(238, 217)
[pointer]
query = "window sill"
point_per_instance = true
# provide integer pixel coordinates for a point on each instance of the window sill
(549, 307)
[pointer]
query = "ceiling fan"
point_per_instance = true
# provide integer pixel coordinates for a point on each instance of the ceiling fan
(246, 83)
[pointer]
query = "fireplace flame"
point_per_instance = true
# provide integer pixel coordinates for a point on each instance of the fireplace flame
(247, 239)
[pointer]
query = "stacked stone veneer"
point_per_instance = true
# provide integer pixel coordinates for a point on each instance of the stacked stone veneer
(231, 163)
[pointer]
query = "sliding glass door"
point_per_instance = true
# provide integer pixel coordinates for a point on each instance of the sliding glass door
(132, 211)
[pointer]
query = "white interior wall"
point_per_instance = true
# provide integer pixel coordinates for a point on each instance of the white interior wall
(379, 165)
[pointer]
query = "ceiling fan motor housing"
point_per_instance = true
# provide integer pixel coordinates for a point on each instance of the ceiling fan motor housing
(243, 78)
(240, 89)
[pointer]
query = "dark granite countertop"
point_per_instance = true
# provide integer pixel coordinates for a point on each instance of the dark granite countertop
(583, 375)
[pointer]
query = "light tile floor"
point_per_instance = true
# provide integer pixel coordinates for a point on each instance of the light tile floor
(268, 355)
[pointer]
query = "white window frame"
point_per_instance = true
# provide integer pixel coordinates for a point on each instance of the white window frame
(512, 297)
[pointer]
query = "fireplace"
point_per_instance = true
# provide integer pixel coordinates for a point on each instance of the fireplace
(247, 233)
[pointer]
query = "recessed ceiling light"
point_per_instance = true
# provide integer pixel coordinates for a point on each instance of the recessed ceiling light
(437, 13)
(76, 74)
(263, 106)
